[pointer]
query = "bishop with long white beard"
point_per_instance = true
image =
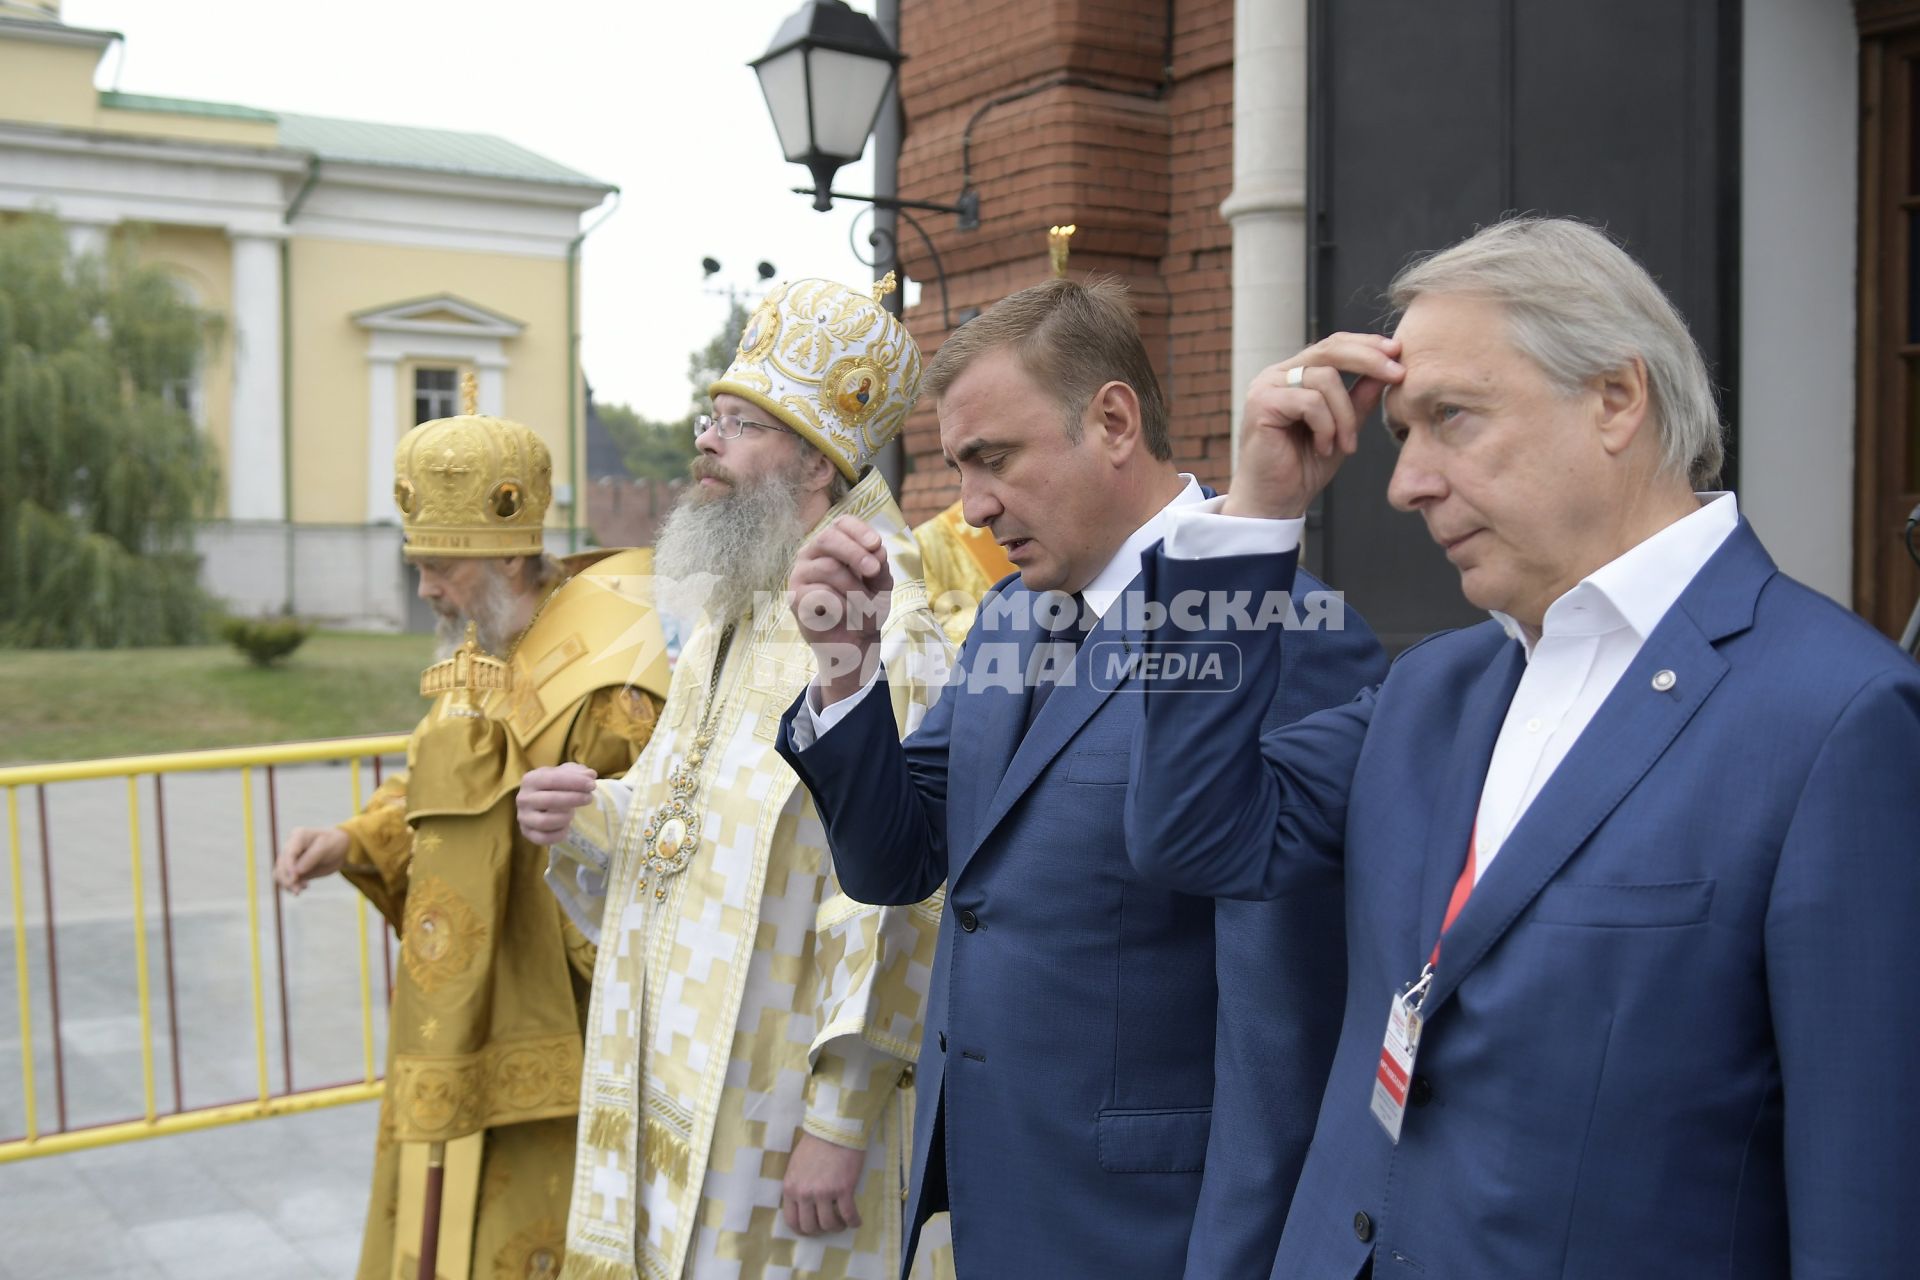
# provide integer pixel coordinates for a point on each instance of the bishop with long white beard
(747, 1099)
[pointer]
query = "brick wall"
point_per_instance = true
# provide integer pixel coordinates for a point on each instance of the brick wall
(1124, 128)
(624, 512)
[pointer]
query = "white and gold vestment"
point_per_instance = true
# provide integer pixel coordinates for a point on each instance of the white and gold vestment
(739, 997)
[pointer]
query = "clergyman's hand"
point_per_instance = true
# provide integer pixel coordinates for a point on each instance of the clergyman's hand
(309, 853)
(548, 798)
(840, 590)
(1301, 422)
(817, 1194)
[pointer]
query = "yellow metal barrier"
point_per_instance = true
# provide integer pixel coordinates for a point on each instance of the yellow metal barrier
(132, 768)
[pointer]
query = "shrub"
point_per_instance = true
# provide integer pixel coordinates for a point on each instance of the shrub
(265, 641)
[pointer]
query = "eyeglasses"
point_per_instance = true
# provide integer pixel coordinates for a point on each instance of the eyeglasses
(728, 426)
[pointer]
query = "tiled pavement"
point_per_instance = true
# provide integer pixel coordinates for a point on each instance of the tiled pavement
(278, 1199)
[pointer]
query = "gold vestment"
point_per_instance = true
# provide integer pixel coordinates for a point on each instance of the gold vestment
(484, 1036)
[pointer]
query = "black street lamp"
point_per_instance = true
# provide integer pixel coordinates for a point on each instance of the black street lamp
(825, 78)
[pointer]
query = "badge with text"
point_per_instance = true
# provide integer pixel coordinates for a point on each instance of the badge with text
(1395, 1072)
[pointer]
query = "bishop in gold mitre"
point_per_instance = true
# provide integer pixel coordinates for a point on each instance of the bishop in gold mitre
(748, 1104)
(543, 661)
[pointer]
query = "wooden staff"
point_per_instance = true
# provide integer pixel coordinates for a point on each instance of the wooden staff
(430, 1210)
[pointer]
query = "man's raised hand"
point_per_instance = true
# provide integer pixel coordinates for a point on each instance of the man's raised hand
(1301, 422)
(548, 798)
(840, 591)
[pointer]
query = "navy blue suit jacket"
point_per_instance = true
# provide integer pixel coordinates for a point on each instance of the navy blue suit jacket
(1669, 1034)
(1071, 1031)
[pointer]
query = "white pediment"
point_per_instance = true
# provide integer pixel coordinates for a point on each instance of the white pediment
(442, 314)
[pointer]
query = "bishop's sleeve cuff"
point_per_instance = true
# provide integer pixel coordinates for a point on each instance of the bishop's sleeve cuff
(578, 866)
(848, 1092)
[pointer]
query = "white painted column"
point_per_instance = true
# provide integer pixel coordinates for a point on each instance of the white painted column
(492, 377)
(85, 238)
(1799, 184)
(256, 454)
(383, 433)
(1267, 208)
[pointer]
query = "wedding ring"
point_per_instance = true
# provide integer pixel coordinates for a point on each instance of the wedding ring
(1296, 375)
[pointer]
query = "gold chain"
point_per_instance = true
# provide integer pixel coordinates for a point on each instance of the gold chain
(669, 838)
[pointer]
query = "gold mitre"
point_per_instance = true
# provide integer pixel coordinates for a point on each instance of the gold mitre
(472, 486)
(831, 363)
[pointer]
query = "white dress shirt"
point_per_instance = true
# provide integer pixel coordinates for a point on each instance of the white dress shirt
(1588, 638)
(1099, 594)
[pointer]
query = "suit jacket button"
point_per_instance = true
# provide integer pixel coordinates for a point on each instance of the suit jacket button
(1363, 1227)
(968, 920)
(1419, 1092)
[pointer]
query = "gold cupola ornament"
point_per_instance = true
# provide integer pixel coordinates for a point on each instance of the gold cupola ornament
(831, 363)
(1059, 245)
(472, 486)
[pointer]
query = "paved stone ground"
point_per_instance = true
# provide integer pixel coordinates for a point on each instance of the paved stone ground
(281, 1197)
(278, 1199)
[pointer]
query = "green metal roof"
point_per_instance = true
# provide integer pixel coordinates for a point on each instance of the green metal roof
(182, 106)
(407, 147)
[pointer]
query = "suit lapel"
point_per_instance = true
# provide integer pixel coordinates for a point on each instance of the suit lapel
(998, 697)
(1068, 708)
(1458, 799)
(1634, 727)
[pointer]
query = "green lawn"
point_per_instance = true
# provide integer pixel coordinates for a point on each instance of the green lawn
(81, 705)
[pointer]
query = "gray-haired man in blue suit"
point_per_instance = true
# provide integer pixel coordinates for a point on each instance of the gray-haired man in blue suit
(1632, 868)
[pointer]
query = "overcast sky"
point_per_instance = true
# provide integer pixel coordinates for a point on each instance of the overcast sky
(655, 98)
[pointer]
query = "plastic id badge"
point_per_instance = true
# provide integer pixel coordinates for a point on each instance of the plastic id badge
(1391, 1077)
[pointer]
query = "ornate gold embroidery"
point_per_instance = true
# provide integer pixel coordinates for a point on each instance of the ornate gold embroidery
(429, 1029)
(597, 1269)
(824, 318)
(436, 1098)
(536, 1252)
(442, 934)
(426, 842)
(757, 339)
(386, 828)
(629, 713)
(854, 388)
(830, 363)
(471, 486)
(521, 1078)
(672, 833)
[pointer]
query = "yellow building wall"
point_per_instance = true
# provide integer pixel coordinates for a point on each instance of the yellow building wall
(47, 83)
(203, 257)
(331, 280)
(187, 126)
(43, 83)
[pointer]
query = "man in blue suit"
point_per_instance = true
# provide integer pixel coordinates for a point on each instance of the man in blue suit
(1073, 1113)
(1632, 870)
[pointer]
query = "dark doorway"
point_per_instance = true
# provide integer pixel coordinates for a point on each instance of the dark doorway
(1887, 449)
(1431, 119)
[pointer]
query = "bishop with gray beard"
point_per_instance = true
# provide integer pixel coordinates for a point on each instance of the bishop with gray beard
(730, 539)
